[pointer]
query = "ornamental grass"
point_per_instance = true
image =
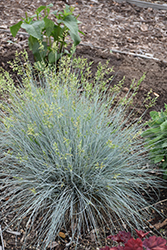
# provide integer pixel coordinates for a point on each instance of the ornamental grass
(69, 157)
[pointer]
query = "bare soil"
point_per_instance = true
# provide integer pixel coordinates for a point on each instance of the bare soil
(107, 25)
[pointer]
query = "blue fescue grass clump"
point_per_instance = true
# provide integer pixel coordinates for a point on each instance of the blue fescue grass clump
(69, 158)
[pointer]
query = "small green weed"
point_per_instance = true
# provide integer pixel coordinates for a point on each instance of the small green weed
(156, 138)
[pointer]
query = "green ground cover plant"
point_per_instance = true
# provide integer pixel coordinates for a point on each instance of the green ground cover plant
(156, 138)
(48, 39)
(69, 157)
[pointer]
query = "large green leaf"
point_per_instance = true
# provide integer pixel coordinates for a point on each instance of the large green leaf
(31, 41)
(164, 145)
(163, 126)
(158, 158)
(52, 57)
(75, 37)
(34, 29)
(39, 54)
(71, 23)
(15, 28)
(164, 165)
(156, 139)
(49, 26)
(151, 132)
(57, 32)
(39, 49)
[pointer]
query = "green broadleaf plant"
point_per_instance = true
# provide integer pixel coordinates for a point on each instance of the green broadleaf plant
(47, 39)
(156, 138)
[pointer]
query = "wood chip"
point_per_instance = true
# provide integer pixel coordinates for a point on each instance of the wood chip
(160, 224)
(62, 235)
(144, 27)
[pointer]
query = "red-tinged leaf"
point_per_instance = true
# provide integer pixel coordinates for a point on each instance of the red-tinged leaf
(122, 236)
(141, 234)
(118, 248)
(155, 243)
(133, 244)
